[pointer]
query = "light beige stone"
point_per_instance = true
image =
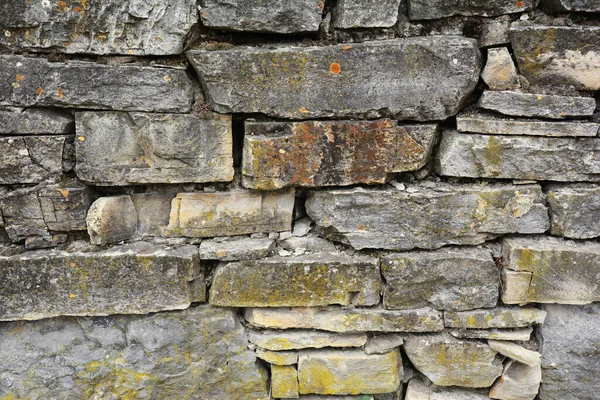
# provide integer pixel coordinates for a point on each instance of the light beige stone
(417, 390)
(235, 250)
(502, 317)
(521, 335)
(382, 344)
(516, 352)
(500, 72)
(301, 339)
(518, 382)
(111, 220)
(284, 382)
(277, 357)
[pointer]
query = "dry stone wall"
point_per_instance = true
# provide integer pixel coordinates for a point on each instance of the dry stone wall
(340, 199)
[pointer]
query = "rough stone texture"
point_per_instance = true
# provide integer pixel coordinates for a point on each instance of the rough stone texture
(501, 157)
(236, 250)
(118, 148)
(30, 82)
(558, 55)
(382, 344)
(230, 213)
(331, 153)
(365, 14)
(427, 218)
(493, 125)
(516, 352)
(277, 357)
(500, 72)
(517, 317)
(338, 319)
(132, 279)
(571, 353)
(537, 105)
(518, 382)
(262, 16)
(455, 279)
(574, 211)
(132, 27)
(551, 271)
(434, 9)
(111, 220)
(447, 361)
(571, 5)
(153, 211)
(310, 244)
(521, 335)
(35, 121)
(413, 79)
(301, 339)
(494, 33)
(199, 353)
(417, 390)
(284, 382)
(25, 159)
(309, 280)
(349, 372)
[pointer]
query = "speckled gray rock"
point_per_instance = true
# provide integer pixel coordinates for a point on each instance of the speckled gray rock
(424, 78)
(537, 105)
(517, 317)
(558, 55)
(571, 5)
(309, 280)
(132, 279)
(518, 382)
(434, 9)
(111, 220)
(133, 27)
(27, 82)
(365, 13)
(574, 211)
(236, 250)
(427, 218)
(571, 354)
(35, 121)
(449, 279)
(30, 159)
(118, 148)
(294, 16)
(199, 353)
(417, 390)
(276, 340)
(494, 33)
(501, 157)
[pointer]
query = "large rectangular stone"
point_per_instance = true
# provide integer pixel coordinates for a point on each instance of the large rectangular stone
(575, 211)
(537, 105)
(337, 319)
(550, 270)
(304, 281)
(27, 82)
(558, 55)
(30, 159)
(119, 148)
(230, 213)
(449, 279)
(131, 279)
(365, 14)
(324, 153)
(434, 9)
(35, 121)
(501, 157)
(428, 218)
(424, 78)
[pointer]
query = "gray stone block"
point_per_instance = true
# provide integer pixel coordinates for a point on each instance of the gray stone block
(111, 220)
(365, 13)
(434, 9)
(537, 105)
(36, 121)
(30, 159)
(574, 211)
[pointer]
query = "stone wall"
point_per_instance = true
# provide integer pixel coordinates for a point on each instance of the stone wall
(341, 199)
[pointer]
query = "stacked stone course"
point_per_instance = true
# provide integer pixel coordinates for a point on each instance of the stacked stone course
(346, 199)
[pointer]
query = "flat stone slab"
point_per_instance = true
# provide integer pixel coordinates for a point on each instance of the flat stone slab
(36, 121)
(349, 14)
(30, 159)
(337, 319)
(450, 279)
(417, 390)
(119, 148)
(427, 218)
(500, 157)
(516, 352)
(435, 9)
(571, 5)
(423, 79)
(236, 250)
(296, 16)
(132, 279)
(301, 339)
(493, 125)
(550, 270)
(519, 335)
(230, 213)
(331, 153)
(303, 281)
(558, 55)
(28, 82)
(277, 357)
(574, 211)
(501, 317)
(537, 105)
(172, 355)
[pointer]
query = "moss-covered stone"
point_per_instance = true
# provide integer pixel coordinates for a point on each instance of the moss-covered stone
(284, 382)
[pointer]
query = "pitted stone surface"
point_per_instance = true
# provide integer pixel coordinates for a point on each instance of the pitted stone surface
(574, 211)
(30, 159)
(425, 78)
(537, 105)
(35, 121)
(434, 9)
(365, 14)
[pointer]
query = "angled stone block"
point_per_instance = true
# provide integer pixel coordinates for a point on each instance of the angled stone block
(518, 382)
(35, 121)
(500, 72)
(574, 211)
(30, 159)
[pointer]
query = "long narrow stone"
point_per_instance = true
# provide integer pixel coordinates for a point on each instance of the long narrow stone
(495, 318)
(35, 121)
(348, 14)
(30, 159)
(435, 9)
(302, 339)
(516, 352)
(519, 335)
(417, 390)
(537, 105)
(574, 211)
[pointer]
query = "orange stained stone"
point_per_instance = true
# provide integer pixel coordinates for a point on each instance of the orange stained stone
(335, 68)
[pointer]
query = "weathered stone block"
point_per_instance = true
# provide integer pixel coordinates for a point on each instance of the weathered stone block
(447, 361)
(100, 27)
(230, 213)
(111, 220)
(537, 105)
(494, 33)
(349, 372)
(365, 14)
(571, 5)
(455, 279)
(338, 319)
(29, 159)
(574, 211)
(27, 82)
(118, 148)
(425, 78)
(381, 344)
(417, 390)
(516, 352)
(309, 280)
(500, 72)
(259, 16)
(236, 250)
(558, 55)
(552, 270)
(153, 211)
(518, 382)
(35, 121)
(501, 157)
(427, 218)
(174, 355)
(284, 382)
(434, 9)
(133, 279)
(495, 318)
(324, 153)
(519, 335)
(301, 339)
(277, 357)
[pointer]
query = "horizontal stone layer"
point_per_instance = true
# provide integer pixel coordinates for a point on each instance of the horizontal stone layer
(349, 14)
(236, 250)
(424, 78)
(520, 335)
(537, 105)
(35, 121)
(300, 339)
(574, 211)
(495, 318)
(428, 9)
(417, 390)
(30, 159)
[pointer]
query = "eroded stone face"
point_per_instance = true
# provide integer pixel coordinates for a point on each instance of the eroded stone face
(428, 9)
(365, 14)
(574, 211)
(30, 159)
(35, 121)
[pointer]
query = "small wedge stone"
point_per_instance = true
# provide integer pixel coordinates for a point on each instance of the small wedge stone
(516, 352)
